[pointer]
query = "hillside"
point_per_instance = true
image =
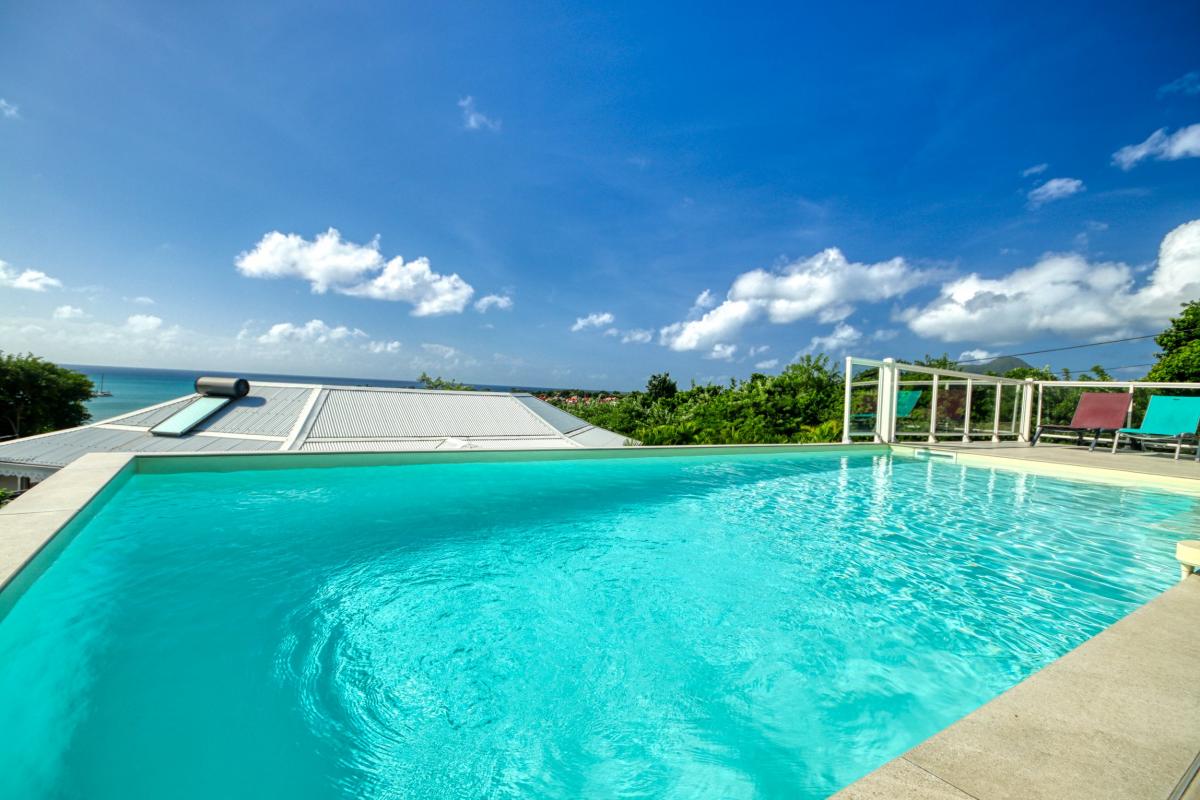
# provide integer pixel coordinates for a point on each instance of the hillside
(999, 365)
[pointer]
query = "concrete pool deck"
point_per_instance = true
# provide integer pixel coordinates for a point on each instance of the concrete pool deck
(29, 523)
(1119, 716)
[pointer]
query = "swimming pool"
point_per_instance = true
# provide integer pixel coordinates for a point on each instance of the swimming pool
(722, 626)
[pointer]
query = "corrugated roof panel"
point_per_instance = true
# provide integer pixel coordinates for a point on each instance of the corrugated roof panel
(560, 420)
(360, 446)
(599, 437)
(421, 445)
(347, 419)
(63, 448)
(151, 418)
(266, 411)
(488, 443)
(399, 414)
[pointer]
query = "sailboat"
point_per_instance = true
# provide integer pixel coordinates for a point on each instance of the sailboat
(100, 392)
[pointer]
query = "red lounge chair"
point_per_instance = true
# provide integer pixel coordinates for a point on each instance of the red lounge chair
(1097, 411)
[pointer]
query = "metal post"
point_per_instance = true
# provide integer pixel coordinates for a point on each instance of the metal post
(933, 411)
(885, 410)
(1041, 387)
(1012, 423)
(967, 411)
(846, 407)
(1129, 413)
(996, 415)
(1027, 410)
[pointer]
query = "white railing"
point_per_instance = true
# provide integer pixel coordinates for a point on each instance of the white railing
(884, 423)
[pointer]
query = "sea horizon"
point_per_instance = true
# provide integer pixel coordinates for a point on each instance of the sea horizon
(137, 387)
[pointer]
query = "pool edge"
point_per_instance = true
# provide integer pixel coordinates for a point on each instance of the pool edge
(1118, 716)
(35, 527)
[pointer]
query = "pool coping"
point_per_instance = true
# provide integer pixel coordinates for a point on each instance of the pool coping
(39, 523)
(36, 525)
(1120, 474)
(1117, 716)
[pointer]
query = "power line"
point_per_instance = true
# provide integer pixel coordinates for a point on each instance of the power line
(1112, 369)
(1073, 347)
(1059, 349)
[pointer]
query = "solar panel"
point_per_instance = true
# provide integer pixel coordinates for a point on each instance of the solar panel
(190, 416)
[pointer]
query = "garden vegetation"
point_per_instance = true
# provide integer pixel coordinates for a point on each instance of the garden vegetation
(804, 402)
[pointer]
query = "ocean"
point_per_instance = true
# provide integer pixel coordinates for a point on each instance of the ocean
(133, 388)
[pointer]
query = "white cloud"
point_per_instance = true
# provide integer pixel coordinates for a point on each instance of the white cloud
(637, 336)
(442, 350)
(324, 262)
(8, 110)
(1065, 294)
(314, 330)
(32, 280)
(143, 323)
(825, 286)
(770, 363)
(1036, 169)
(1161, 146)
(758, 349)
(704, 301)
(414, 282)
(885, 334)
(384, 347)
(977, 354)
(500, 301)
(843, 336)
(474, 119)
(92, 341)
(722, 322)
(722, 352)
(595, 320)
(1186, 84)
(327, 263)
(142, 300)
(69, 312)
(1055, 189)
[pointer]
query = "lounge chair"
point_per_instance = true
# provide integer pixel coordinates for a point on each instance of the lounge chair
(1166, 418)
(1097, 411)
(906, 401)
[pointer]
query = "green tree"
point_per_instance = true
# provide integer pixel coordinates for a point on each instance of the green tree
(944, 361)
(661, 386)
(801, 404)
(37, 396)
(439, 382)
(1179, 360)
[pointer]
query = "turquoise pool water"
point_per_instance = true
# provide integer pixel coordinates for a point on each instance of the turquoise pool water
(725, 627)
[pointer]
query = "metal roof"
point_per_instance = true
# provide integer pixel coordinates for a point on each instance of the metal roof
(560, 420)
(149, 417)
(305, 417)
(266, 411)
(357, 413)
(60, 449)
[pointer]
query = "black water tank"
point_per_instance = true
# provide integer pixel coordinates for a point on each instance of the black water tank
(223, 387)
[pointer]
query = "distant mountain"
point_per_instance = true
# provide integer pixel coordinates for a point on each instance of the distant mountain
(999, 365)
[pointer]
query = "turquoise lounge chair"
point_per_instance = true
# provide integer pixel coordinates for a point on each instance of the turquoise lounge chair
(1166, 418)
(906, 401)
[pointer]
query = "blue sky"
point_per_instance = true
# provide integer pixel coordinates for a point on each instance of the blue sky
(709, 190)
